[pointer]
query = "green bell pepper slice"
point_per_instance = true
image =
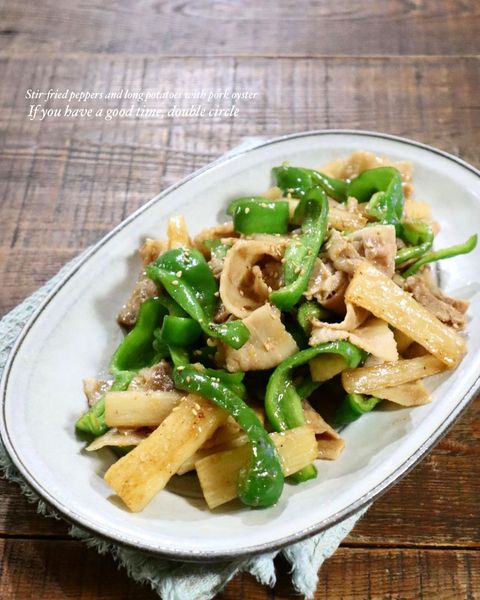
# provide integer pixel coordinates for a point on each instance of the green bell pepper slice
(380, 187)
(188, 279)
(261, 483)
(217, 248)
(136, 350)
(352, 407)
(420, 236)
(449, 252)
(180, 331)
(309, 310)
(259, 215)
(297, 181)
(302, 251)
(283, 402)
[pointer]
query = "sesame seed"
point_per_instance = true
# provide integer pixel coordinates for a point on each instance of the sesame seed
(178, 273)
(247, 210)
(175, 282)
(189, 379)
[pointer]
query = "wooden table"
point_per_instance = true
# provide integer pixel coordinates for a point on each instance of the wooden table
(405, 67)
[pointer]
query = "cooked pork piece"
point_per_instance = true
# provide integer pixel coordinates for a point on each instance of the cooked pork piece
(450, 311)
(144, 288)
(94, 388)
(327, 286)
(376, 244)
(156, 378)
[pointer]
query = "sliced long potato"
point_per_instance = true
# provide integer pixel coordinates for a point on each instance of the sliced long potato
(189, 464)
(366, 380)
(228, 436)
(230, 431)
(374, 291)
(141, 474)
(326, 366)
(177, 233)
(406, 394)
(136, 408)
(218, 473)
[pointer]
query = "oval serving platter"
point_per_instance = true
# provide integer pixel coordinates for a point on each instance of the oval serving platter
(73, 333)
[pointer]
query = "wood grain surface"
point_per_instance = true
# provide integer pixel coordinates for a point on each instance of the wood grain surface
(405, 67)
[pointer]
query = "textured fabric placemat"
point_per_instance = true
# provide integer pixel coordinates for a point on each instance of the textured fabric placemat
(170, 579)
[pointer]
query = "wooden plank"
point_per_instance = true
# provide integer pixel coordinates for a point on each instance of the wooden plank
(54, 570)
(437, 503)
(373, 574)
(272, 28)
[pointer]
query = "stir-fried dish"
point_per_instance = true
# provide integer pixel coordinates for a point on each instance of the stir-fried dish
(250, 346)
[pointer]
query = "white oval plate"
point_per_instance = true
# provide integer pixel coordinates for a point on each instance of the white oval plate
(73, 334)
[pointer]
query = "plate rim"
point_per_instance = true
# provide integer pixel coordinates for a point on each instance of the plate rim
(204, 556)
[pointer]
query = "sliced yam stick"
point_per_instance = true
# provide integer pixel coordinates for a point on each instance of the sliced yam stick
(406, 394)
(119, 439)
(375, 292)
(218, 473)
(141, 474)
(189, 464)
(329, 442)
(403, 341)
(226, 437)
(323, 368)
(230, 430)
(366, 380)
(177, 233)
(135, 408)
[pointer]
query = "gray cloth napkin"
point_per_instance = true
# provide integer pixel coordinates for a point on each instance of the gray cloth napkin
(174, 580)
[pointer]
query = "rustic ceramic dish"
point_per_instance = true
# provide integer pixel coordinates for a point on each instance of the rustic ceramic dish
(74, 332)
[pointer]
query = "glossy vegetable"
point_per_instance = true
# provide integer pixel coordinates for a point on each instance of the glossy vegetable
(302, 251)
(180, 331)
(449, 252)
(259, 215)
(420, 236)
(352, 407)
(188, 279)
(261, 484)
(297, 181)
(283, 402)
(309, 310)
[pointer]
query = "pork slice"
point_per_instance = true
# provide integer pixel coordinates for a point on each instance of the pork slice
(155, 378)
(327, 286)
(450, 311)
(94, 389)
(376, 244)
(144, 288)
